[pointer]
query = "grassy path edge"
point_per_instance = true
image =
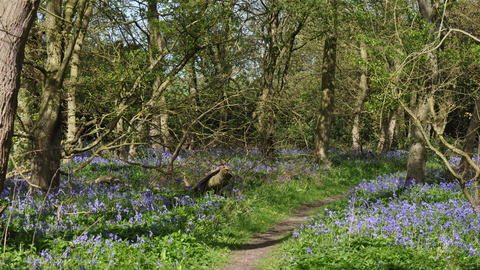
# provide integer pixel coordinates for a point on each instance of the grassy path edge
(247, 256)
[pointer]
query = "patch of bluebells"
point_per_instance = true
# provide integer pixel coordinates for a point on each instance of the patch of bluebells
(455, 160)
(80, 208)
(413, 218)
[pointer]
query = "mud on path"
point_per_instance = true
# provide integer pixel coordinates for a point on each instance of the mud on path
(246, 257)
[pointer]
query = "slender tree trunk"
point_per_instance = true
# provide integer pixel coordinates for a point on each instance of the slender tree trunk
(193, 92)
(73, 81)
(16, 19)
(159, 131)
(362, 95)
(223, 74)
(266, 123)
(265, 112)
(327, 98)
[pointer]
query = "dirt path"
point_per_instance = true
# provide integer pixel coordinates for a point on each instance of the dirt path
(247, 256)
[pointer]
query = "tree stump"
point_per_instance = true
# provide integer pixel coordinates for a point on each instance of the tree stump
(215, 180)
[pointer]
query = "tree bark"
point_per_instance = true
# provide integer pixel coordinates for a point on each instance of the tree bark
(223, 73)
(194, 129)
(279, 40)
(16, 19)
(159, 130)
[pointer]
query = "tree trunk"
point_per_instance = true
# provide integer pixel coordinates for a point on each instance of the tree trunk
(266, 124)
(16, 19)
(327, 97)
(265, 112)
(223, 72)
(47, 131)
(472, 132)
(47, 139)
(362, 95)
(417, 156)
(193, 130)
(73, 81)
(279, 39)
(387, 132)
(159, 131)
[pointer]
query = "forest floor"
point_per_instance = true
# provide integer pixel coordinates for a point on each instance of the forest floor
(247, 256)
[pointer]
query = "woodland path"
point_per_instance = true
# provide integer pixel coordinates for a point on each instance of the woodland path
(247, 256)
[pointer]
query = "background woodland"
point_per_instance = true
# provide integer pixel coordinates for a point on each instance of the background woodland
(110, 78)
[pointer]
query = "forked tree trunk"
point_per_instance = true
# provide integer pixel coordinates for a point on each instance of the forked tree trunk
(16, 19)
(47, 131)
